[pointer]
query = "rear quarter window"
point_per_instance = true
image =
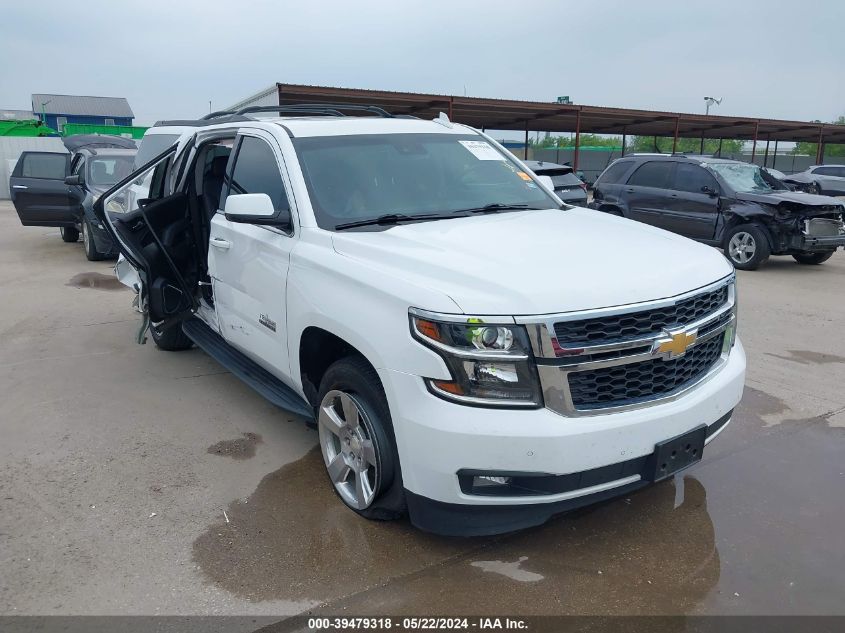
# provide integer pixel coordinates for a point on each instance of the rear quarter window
(614, 174)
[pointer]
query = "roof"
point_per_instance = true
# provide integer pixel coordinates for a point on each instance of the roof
(82, 106)
(16, 115)
(348, 125)
(509, 114)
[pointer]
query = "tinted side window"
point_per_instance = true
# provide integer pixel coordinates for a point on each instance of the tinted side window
(51, 166)
(839, 171)
(825, 171)
(615, 172)
(256, 171)
(653, 174)
(692, 178)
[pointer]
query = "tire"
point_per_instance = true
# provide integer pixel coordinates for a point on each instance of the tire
(173, 339)
(69, 234)
(357, 441)
(746, 246)
(814, 188)
(91, 251)
(812, 259)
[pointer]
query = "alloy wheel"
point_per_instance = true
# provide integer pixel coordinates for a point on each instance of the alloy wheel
(346, 441)
(742, 247)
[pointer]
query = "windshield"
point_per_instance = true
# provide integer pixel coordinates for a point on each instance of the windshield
(744, 177)
(360, 177)
(151, 146)
(104, 171)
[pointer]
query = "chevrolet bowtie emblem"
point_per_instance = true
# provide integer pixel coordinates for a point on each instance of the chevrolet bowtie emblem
(675, 344)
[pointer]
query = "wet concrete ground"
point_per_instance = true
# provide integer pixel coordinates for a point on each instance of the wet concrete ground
(134, 481)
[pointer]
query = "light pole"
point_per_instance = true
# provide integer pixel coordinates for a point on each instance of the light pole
(44, 116)
(710, 101)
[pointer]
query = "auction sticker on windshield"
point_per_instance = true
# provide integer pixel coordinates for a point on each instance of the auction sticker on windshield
(482, 150)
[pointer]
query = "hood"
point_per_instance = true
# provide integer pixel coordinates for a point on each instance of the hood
(538, 262)
(796, 197)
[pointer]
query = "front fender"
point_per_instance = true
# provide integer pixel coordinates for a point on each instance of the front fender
(364, 306)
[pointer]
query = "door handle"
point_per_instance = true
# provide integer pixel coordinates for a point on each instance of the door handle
(629, 191)
(219, 242)
(19, 187)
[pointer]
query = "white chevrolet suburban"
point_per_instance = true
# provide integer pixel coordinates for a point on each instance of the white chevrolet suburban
(472, 352)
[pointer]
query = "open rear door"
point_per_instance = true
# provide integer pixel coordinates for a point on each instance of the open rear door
(153, 236)
(39, 192)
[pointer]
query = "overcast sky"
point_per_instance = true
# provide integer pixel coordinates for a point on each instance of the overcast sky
(767, 58)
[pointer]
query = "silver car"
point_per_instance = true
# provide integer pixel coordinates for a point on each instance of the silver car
(822, 179)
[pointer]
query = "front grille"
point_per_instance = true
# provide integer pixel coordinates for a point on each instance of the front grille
(621, 327)
(637, 382)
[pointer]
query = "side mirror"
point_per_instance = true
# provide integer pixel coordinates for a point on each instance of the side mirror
(255, 208)
(710, 191)
(547, 181)
(74, 180)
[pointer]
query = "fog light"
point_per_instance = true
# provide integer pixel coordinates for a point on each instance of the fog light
(482, 481)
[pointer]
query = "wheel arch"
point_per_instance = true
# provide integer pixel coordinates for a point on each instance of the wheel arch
(318, 349)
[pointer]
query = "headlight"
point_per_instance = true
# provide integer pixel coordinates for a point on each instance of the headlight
(491, 363)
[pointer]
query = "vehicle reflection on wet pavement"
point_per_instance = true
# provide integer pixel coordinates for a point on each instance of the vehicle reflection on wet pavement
(681, 546)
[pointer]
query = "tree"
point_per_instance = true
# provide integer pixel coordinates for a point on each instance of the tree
(686, 145)
(586, 140)
(829, 149)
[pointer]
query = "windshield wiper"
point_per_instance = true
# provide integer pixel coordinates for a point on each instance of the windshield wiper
(390, 219)
(494, 207)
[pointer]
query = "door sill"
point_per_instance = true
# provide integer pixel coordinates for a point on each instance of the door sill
(246, 369)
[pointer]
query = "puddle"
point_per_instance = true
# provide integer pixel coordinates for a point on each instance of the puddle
(748, 520)
(294, 539)
(761, 407)
(240, 448)
(806, 357)
(508, 570)
(98, 281)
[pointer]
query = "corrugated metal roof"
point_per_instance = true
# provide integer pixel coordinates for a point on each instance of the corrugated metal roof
(16, 115)
(80, 105)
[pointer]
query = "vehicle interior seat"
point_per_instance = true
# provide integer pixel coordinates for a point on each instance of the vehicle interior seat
(212, 185)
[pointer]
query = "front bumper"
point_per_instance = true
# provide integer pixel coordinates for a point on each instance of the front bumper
(810, 244)
(437, 439)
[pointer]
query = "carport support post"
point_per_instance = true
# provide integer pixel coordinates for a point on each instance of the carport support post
(577, 140)
(754, 145)
(525, 150)
(701, 150)
(766, 154)
(675, 140)
(820, 149)
(775, 157)
(624, 139)
(719, 153)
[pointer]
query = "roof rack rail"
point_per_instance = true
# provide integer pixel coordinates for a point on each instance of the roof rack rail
(327, 109)
(217, 113)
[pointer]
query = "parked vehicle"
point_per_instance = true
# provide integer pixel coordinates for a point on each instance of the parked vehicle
(567, 186)
(730, 204)
(59, 189)
(827, 180)
(414, 291)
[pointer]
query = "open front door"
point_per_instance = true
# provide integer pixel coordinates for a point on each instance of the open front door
(154, 235)
(39, 192)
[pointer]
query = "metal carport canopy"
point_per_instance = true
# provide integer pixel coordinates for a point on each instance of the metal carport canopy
(507, 114)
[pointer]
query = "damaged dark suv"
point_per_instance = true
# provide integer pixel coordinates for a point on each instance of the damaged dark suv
(725, 203)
